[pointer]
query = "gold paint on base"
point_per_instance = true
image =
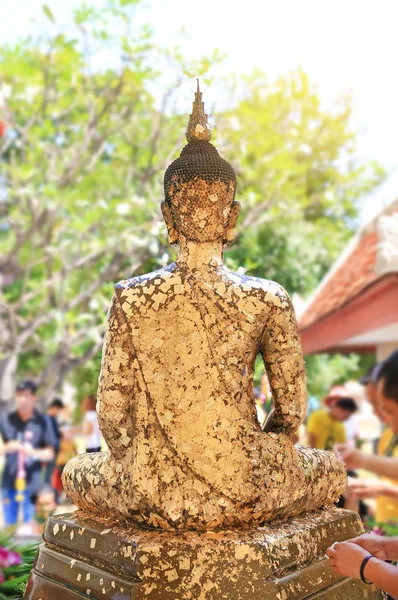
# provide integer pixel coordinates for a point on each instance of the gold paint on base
(283, 561)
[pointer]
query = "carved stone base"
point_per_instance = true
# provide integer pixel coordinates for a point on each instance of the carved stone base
(83, 558)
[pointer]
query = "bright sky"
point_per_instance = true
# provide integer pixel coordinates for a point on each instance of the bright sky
(344, 45)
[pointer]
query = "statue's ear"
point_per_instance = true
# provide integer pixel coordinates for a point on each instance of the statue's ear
(231, 223)
(168, 219)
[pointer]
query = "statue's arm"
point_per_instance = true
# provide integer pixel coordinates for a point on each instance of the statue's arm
(284, 364)
(116, 382)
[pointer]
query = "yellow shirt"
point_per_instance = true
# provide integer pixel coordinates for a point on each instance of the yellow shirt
(387, 508)
(67, 450)
(326, 430)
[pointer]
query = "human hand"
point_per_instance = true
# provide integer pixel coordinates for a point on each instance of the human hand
(373, 544)
(12, 446)
(29, 451)
(366, 488)
(351, 457)
(345, 558)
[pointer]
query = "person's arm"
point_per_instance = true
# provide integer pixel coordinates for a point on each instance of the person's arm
(381, 465)
(345, 558)
(385, 548)
(284, 364)
(384, 466)
(372, 488)
(42, 454)
(10, 447)
(382, 574)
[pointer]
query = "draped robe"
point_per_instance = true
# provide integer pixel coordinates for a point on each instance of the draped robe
(177, 409)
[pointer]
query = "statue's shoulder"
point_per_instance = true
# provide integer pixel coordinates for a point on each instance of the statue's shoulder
(141, 282)
(265, 289)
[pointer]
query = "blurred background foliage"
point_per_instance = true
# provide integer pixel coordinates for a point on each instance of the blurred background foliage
(86, 140)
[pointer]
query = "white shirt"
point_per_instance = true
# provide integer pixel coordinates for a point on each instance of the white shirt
(351, 427)
(93, 440)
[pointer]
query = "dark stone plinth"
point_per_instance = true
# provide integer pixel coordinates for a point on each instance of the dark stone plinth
(83, 558)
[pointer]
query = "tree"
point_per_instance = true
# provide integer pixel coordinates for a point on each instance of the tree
(299, 180)
(326, 370)
(83, 155)
(300, 186)
(86, 144)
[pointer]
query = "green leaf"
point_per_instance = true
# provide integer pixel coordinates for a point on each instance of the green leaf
(47, 11)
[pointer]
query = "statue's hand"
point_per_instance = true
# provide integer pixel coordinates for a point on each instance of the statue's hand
(273, 425)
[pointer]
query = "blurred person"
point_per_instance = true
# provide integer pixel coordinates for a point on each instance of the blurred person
(385, 489)
(266, 394)
(364, 558)
(336, 392)
(45, 503)
(67, 451)
(351, 424)
(369, 382)
(261, 414)
(325, 426)
(28, 442)
(354, 390)
(386, 464)
(53, 412)
(90, 427)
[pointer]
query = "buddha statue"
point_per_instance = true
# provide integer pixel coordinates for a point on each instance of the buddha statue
(175, 399)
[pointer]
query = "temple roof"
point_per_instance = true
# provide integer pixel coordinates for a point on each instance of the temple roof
(346, 280)
(371, 256)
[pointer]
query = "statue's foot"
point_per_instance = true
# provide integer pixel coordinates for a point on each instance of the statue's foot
(92, 482)
(325, 477)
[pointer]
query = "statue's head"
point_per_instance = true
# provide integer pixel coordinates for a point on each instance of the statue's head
(200, 188)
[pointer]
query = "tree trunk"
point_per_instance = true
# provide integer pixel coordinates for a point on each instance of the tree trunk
(8, 374)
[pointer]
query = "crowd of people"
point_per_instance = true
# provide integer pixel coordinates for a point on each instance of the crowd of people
(334, 426)
(368, 557)
(36, 446)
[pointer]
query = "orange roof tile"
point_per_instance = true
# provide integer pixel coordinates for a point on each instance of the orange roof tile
(352, 276)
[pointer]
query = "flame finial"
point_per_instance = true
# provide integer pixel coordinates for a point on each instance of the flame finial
(198, 127)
